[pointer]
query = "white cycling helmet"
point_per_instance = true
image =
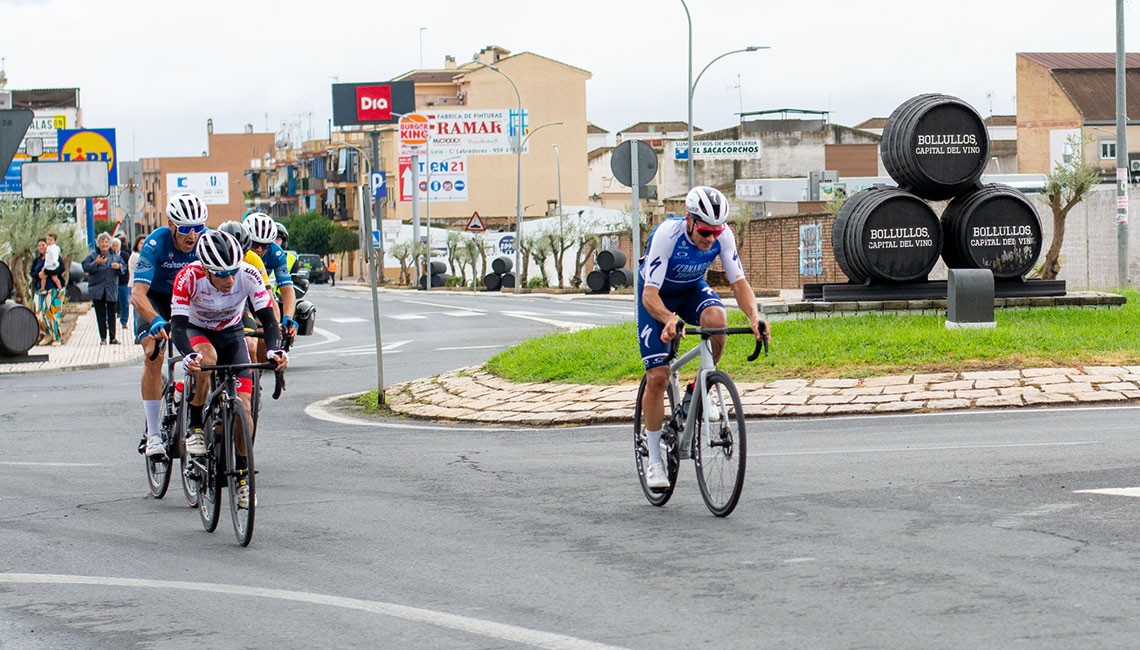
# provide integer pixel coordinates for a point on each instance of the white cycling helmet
(237, 231)
(261, 227)
(186, 210)
(219, 251)
(707, 204)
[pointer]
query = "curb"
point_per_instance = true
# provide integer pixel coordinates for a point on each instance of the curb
(474, 395)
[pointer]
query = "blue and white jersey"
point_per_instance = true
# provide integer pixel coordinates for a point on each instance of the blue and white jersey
(159, 261)
(674, 264)
(277, 264)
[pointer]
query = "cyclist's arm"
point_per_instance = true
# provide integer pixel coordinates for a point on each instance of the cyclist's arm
(651, 300)
(178, 325)
(269, 324)
(746, 301)
(262, 301)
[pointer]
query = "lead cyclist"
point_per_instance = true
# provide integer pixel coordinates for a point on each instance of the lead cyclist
(671, 285)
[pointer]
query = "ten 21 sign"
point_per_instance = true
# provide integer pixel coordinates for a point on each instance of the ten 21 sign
(89, 145)
(372, 103)
(447, 181)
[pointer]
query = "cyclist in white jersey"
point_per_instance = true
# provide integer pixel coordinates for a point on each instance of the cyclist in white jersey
(206, 317)
(672, 284)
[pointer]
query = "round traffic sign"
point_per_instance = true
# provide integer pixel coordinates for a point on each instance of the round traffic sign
(621, 163)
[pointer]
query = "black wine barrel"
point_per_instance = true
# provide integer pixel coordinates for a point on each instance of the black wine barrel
(507, 281)
(437, 280)
(5, 282)
(886, 235)
(438, 267)
(994, 227)
(611, 259)
(621, 278)
(935, 146)
(19, 329)
(598, 281)
(76, 274)
(501, 265)
(492, 281)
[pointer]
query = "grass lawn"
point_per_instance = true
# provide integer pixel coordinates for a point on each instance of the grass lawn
(853, 346)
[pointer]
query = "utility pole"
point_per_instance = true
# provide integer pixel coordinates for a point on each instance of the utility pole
(1121, 156)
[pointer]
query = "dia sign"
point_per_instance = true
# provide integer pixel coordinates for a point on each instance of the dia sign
(373, 103)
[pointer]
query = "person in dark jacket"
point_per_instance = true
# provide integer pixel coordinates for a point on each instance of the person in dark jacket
(119, 247)
(102, 267)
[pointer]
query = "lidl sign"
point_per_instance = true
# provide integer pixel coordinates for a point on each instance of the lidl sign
(89, 145)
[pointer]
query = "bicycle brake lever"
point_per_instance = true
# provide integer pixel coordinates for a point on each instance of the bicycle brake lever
(756, 353)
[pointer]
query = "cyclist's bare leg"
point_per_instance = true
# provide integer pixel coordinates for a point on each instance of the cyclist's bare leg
(715, 317)
(653, 403)
(152, 370)
(246, 400)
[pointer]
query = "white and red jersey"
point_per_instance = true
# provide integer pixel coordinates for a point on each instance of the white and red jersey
(208, 307)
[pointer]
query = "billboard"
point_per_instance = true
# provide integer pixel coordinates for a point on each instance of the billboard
(717, 150)
(90, 145)
(212, 187)
(379, 102)
(475, 132)
(446, 182)
(50, 180)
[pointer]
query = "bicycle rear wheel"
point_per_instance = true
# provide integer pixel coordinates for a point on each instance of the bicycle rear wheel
(191, 476)
(240, 429)
(719, 446)
(213, 478)
(655, 496)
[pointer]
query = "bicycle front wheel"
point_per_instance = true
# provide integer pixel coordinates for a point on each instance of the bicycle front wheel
(158, 468)
(655, 496)
(212, 473)
(191, 476)
(240, 434)
(719, 446)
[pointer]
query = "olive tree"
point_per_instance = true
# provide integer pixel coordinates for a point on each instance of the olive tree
(1067, 186)
(21, 225)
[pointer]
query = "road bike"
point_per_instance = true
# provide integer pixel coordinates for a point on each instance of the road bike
(227, 427)
(711, 432)
(172, 429)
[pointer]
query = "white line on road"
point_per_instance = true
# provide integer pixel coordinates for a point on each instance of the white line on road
(328, 336)
(566, 325)
(407, 317)
(883, 450)
(469, 347)
(479, 627)
(353, 319)
(30, 464)
(436, 304)
(1117, 492)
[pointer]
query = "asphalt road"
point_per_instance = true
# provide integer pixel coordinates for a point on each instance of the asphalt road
(964, 529)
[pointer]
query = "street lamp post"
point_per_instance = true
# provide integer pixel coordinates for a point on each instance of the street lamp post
(693, 83)
(518, 178)
(561, 233)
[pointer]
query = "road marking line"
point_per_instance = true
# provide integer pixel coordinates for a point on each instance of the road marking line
(566, 325)
(406, 317)
(463, 313)
(479, 627)
(353, 319)
(880, 450)
(31, 464)
(1118, 492)
(329, 338)
(469, 347)
(436, 304)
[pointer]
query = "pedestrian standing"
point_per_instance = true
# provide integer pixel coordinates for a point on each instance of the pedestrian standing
(102, 267)
(132, 264)
(48, 302)
(119, 247)
(332, 271)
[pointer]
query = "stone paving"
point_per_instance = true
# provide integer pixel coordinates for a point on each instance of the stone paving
(474, 395)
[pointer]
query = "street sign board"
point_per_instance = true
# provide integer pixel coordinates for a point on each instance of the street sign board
(375, 238)
(379, 188)
(622, 159)
(13, 125)
(717, 150)
(475, 223)
(52, 180)
(414, 130)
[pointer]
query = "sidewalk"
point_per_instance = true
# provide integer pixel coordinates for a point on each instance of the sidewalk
(473, 395)
(81, 350)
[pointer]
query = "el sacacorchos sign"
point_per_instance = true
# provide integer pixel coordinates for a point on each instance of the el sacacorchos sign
(718, 150)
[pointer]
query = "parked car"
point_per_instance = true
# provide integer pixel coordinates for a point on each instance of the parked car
(318, 272)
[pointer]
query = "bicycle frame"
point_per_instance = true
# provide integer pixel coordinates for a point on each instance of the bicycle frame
(704, 351)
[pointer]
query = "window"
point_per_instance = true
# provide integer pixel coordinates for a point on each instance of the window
(1108, 149)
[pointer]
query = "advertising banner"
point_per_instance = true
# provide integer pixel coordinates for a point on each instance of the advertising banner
(212, 187)
(475, 132)
(88, 145)
(379, 102)
(717, 150)
(447, 180)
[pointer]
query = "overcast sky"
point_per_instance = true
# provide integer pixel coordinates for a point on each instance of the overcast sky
(157, 70)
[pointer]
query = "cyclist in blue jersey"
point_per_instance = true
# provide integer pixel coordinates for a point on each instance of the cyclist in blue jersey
(163, 255)
(671, 285)
(262, 231)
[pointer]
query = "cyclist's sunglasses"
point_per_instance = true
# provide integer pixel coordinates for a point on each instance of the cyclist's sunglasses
(196, 230)
(710, 232)
(225, 274)
(259, 244)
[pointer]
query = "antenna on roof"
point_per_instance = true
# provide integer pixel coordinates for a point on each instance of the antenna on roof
(990, 101)
(3, 77)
